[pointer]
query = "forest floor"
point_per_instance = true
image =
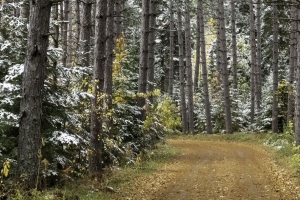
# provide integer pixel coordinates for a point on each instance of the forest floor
(207, 170)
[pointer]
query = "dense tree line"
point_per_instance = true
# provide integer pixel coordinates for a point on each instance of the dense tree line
(91, 84)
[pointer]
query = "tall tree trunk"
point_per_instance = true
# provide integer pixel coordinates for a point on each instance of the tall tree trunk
(234, 45)
(188, 54)
(29, 145)
(95, 159)
(223, 64)
(119, 18)
(109, 59)
(78, 28)
(198, 52)
(171, 66)
(258, 62)
(86, 33)
(184, 122)
(143, 64)
(275, 69)
(204, 68)
(65, 32)
(151, 44)
(70, 37)
(297, 95)
(253, 59)
(293, 60)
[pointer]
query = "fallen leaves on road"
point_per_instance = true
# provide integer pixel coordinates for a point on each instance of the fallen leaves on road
(214, 170)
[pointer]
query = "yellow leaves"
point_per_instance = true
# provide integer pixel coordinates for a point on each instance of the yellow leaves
(120, 57)
(43, 142)
(148, 94)
(5, 170)
(39, 154)
(212, 22)
(118, 99)
(45, 162)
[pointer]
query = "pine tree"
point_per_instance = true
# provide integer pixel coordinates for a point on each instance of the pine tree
(275, 69)
(204, 68)
(184, 121)
(189, 70)
(96, 143)
(143, 64)
(222, 52)
(30, 140)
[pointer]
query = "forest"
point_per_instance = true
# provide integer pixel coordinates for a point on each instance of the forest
(90, 84)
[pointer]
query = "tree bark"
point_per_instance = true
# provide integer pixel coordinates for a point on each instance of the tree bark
(29, 145)
(188, 54)
(171, 66)
(95, 159)
(70, 37)
(198, 52)
(258, 62)
(109, 61)
(119, 18)
(65, 23)
(293, 61)
(204, 68)
(85, 34)
(297, 95)
(184, 122)
(151, 44)
(234, 45)
(275, 69)
(143, 64)
(78, 28)
(223, 65)
(253, 59)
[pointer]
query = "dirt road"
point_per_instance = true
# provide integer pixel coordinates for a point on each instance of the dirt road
(217, 170)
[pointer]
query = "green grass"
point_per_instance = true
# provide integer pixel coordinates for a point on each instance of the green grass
(257, 138)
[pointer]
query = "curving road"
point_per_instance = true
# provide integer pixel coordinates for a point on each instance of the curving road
(217, 170)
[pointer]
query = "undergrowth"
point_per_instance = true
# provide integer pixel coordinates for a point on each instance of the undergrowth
(113, 179)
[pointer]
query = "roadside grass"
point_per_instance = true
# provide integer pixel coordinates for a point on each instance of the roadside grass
(256, 138)
(113, 180)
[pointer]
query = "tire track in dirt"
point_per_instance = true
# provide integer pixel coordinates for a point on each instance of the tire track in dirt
(217, 170)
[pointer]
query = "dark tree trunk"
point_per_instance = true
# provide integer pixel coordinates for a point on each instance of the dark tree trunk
(65, 32)
(70, 37)
(223, 65)
(119, 18)
(109, 60)
(150, 73)
(29, 146)
(85, 33)
(253, 59)
(297, 95)
(275, 70)
(95, 159)
(78, 27)
(188, 54)
(184, 122)
(258, 84)
(198, 47)
(204, 68)
(171, 66)
(293, 62)
(143, 64)
(234, 45)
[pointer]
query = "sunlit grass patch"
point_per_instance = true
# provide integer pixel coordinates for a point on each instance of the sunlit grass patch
(235, 137)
